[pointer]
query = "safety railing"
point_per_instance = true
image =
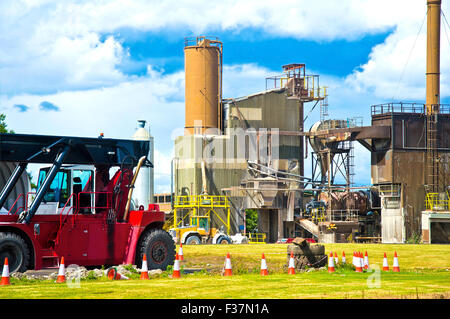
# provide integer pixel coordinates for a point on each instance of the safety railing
(256, 238)
(401, 107)
(344, 214)
(436, 202)
(25, 204)
(318, 215)
(205, 201)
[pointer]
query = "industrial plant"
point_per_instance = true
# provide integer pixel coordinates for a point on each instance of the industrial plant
(240, 155)
(248, 153)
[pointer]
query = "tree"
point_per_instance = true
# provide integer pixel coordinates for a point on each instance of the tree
(3, 125)
(251, 220)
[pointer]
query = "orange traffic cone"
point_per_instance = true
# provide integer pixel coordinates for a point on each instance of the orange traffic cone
(113, 274)
(366, 261)
(176, 267)
(62, 272)
(343, 257)
(331, 263)
(336, 259)
(291, 267)
(359, 263)
(354, 259)
(228, 271)
(395, 266)
(144, 269)
(5, 274)
(264, 271)
(180, 252)
(385, 263)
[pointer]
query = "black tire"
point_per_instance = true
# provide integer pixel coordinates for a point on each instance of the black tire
(193, 240)
(16, 249)
(223, 240)
(159, 248)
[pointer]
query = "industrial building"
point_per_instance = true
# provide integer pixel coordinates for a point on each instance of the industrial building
(249, 153)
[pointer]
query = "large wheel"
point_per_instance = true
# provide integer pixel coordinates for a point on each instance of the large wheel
(223, 240)
(16, 249)
(193, 240)
(159, 248)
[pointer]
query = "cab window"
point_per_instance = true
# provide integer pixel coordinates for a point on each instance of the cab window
(59, 188)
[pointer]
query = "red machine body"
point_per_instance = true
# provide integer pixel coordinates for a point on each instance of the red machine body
(80, 213)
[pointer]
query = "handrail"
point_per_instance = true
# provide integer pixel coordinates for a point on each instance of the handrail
(61, 223)
(9, 211)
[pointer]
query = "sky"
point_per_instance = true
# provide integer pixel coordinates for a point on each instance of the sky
(84, 67)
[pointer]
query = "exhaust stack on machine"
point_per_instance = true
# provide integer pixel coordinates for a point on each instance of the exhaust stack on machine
(144, 192)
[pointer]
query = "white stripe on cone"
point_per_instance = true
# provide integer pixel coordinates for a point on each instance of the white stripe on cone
(395, 265)
(291, 268)
(366, 261)
(180, 252)
(264, 266)
(331, 263)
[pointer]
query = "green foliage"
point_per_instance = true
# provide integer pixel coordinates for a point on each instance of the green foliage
(3, 125)
(251, 220)
(416, 238)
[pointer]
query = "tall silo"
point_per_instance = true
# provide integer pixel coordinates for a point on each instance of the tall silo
(203, 88)
(144, 186)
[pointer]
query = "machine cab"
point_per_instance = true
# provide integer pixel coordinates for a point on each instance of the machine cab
(202, 224)
(72, 190)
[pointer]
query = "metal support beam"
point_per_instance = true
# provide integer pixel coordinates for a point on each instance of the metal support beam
(12, 181)
(45, 185)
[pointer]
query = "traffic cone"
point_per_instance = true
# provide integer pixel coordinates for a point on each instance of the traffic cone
(331, 263)
(359, 263)
(144, 269)
(343, 257)
(395, 266)
(62, 272)
(180, 252)
(176, 267)
(291, 267)
(336, 259)
(354, 259)
(366, 261)
(5, 274)
(385, 263)
(228, 271)
(264, 271)
(113, 274)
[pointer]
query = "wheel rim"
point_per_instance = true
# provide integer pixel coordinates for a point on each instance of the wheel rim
(159, 252)
(14, 255)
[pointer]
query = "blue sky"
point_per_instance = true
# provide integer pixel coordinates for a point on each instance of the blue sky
(89, 66)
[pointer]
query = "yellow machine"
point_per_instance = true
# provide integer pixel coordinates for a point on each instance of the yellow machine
(198, 210)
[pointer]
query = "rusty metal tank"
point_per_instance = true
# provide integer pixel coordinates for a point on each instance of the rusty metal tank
(203, 87)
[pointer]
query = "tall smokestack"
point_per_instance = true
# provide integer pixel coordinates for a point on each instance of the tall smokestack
(433, 55)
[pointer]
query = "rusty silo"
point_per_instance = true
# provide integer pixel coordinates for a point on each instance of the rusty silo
(203, 92)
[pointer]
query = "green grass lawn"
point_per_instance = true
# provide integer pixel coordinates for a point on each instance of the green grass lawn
(424, 274)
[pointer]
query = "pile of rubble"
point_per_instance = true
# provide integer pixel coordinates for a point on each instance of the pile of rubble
(79, 272)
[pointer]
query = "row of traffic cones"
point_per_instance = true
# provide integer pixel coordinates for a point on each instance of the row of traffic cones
(361, 262)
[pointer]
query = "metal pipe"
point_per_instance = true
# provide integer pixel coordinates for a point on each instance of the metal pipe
(45, 185)
(12, 181)
(130, 192)
(433, 56)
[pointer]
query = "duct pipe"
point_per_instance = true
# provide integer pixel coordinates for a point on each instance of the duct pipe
(433, 56)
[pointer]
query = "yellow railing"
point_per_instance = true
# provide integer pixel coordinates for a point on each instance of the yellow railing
(433, 202)
(318, 215)
(205, 201)
(256, 238)
(196, 205)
